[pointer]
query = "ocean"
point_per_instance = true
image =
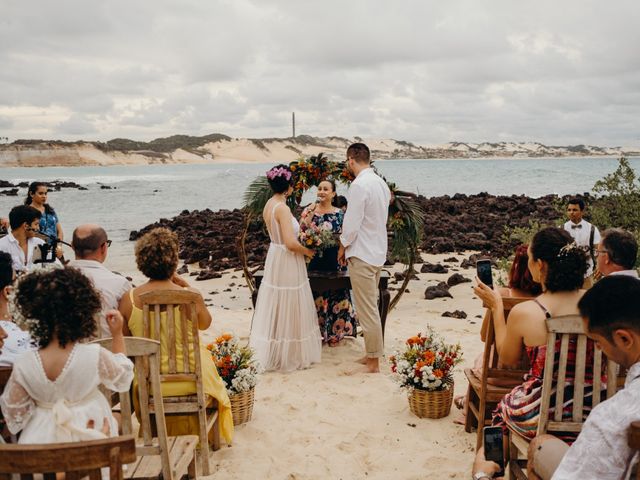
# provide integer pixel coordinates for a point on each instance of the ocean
(140, 195)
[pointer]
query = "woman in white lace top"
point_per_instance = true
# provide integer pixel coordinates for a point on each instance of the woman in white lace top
(52, 395)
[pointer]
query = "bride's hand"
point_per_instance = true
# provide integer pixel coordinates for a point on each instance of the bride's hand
(309, 253)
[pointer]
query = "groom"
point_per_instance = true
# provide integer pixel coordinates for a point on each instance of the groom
(363, 246)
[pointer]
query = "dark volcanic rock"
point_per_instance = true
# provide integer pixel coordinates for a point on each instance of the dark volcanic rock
(437, 291)
(451, 224)
(455, 314)
(433, 268)
(12, 192)
(451, 260)
(456, 279)
(182, 270)
(208, 274)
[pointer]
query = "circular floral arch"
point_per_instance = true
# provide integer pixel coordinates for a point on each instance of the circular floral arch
(405, 213)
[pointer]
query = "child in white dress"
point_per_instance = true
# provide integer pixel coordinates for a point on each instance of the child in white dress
(52, 395)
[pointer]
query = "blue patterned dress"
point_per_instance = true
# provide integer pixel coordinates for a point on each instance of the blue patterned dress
(336, 315)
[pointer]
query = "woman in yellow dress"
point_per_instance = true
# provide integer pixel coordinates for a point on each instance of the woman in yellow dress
(157, 258)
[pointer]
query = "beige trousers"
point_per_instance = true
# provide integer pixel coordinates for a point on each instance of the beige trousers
(364, 282)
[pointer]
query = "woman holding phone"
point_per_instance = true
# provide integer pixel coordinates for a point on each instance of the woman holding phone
(558, 264)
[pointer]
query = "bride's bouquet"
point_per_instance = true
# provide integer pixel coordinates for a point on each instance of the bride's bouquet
(317, 237)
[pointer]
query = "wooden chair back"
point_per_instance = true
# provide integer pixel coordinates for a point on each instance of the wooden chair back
(144, 353)
(634, 442)
(5, 434)
(181, 328)
(75, 459)
(569, 328)
(490, 359)
(482, 396)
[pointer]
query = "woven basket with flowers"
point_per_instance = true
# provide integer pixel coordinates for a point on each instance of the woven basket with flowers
(425, 369)
(239, 371)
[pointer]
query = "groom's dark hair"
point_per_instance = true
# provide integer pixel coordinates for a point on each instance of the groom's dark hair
(359, 152)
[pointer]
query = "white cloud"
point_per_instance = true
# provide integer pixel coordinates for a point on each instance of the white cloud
(417, 70)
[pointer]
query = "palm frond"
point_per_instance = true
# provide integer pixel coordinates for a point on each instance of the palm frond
(257, 195)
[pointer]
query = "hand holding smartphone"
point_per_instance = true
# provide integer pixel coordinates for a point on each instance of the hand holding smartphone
(494, 447)
(483, 269)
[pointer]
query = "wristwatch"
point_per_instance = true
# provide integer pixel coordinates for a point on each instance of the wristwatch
(482, 476)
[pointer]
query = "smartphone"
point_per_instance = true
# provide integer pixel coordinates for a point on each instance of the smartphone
(493, 447)
(483, 267)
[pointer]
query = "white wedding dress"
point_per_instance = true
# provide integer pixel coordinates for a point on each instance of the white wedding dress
(285, 334)
(54, 411)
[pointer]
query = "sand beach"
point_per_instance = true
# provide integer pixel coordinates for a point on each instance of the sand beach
(322, 423)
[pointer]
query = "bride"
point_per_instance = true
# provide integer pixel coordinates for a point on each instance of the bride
(284, 333)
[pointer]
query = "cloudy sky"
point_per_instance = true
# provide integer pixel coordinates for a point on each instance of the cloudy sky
(558, 72)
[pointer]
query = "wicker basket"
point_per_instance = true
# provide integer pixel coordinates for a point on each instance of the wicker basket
(242, 406)
(436, 404)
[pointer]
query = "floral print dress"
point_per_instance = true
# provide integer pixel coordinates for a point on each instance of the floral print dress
(336, 315)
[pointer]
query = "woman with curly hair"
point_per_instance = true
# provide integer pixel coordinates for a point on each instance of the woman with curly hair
(558, 265)
(157, 258)
(52, 395)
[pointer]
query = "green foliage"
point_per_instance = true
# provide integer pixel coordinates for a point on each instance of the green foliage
(617, 202)
(617, 199)
(161, 145)
(514, 236)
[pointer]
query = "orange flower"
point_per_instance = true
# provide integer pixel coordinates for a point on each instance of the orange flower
(413, 340)
(429, 357)
(292, 168)
(437, 373)
(227, 336)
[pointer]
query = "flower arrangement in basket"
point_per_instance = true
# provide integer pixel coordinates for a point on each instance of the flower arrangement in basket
(239, 372)
(317, 237)
(425, 369)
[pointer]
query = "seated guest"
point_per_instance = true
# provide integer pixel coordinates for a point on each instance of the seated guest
(558, 264)
(611, 314)
(617, 253)
(22, 241)
(53, 393)
(157, 258)
(521, 284)
(17, 340)
(91, 245)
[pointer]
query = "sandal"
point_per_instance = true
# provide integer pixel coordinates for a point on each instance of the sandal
(459, 402)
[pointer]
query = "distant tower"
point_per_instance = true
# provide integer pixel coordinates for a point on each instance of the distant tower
(293, 123)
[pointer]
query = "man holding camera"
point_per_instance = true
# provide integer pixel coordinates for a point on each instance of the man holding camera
(586, 235)
(22, 241)
(611, 314)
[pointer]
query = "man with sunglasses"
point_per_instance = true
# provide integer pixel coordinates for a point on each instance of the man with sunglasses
(90, 245)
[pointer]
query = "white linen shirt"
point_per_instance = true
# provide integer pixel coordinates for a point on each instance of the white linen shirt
(581, 235)
(10, 244)
(111, 286)
(601, 450)
(626, 273)
(364, 229)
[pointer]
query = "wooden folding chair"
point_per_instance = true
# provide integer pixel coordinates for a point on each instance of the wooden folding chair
(483, 396)
(188, 368)
(563, 328)
(75, 459)
(634, 442)
(172, 457)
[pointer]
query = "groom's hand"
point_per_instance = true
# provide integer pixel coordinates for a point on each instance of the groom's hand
(341, 256)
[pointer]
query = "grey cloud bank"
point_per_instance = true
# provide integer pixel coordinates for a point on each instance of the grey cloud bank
(421, 71)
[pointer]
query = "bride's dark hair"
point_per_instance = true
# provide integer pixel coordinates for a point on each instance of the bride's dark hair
(279, 178)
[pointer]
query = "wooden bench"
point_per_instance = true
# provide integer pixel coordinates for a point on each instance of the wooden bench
(330, 281)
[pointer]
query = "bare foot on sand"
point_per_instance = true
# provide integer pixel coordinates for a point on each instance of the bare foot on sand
(362, 360)
(371, 365)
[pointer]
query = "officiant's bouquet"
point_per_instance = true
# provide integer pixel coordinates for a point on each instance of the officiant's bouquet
(235, 363)
(317, 236)
(426, 363)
